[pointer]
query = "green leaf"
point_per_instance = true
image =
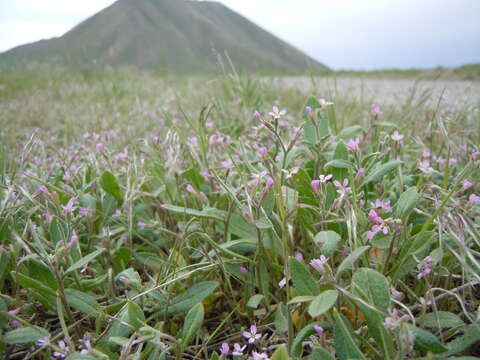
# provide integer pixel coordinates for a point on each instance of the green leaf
(300, 299)
(239, 227)
(308, 330)
(195, 294)
(3, 309)
(290, 198)
(347, 263)
(441, 319)
(88, 201)
(207, 213)
(281, 320)
(110, 185)
(372, 287)
(338, 164)
(25, 335)
(263, 223)
(321, 354)
(193, 322)
(328, 241)
(149, 259)
(31, 283)
(406, 203)
(83, 302)
(84, 260)
(42, 273)
(426, 341)
(129, 319)
(302, 279)
(281, 353)
(322, 303)
(130, 277)
(470, 336)
(380, 171)
(343, 336)
(350, 132)
(309, 131)
(136, 317)
(340, 155)
(254, 301)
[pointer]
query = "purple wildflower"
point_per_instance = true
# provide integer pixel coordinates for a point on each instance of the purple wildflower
(122, 156)
(227, 164)
(66, 176)
(376, 110)
(317, 264)
(141, 224)
(353, 145)
(324, 102)
(276, 113)
(324, 178)
(474, 199)
(252, 336)
(60, 355)
(72, 241)
(263, 151)
(84, 211)
(270, 183)
(380, 204)
(225, 349)
(43, 342)
(257, 178)
(100, 147)
(68, 209)
(395, 293)
(343, 188)
(380, 225)
(258, 116)
(424, 302)
(48, 216)
(396, 136)
(238, 350)
(360, 173)
(424, 267)
(315, 184)
(424, 166)
(259, 356)
(318, 329)
(466, 185)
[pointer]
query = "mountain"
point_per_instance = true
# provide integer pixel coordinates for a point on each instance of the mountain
(175, 35)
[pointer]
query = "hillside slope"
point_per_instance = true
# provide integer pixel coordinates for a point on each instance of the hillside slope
(164, 34)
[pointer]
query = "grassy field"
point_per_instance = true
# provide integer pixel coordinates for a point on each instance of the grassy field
(147, 217)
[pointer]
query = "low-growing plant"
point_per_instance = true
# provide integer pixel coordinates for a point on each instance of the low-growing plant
(228, 226)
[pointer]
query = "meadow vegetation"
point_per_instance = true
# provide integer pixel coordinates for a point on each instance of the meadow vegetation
(146, 217)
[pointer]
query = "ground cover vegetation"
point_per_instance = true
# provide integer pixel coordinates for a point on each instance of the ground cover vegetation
(146, 217)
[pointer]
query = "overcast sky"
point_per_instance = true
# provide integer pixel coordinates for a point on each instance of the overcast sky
(344, 34)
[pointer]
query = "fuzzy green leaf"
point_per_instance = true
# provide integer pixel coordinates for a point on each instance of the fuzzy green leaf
(193, 322)
(25, 335)
(426, 341)
(322, 303)
(302, 279)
